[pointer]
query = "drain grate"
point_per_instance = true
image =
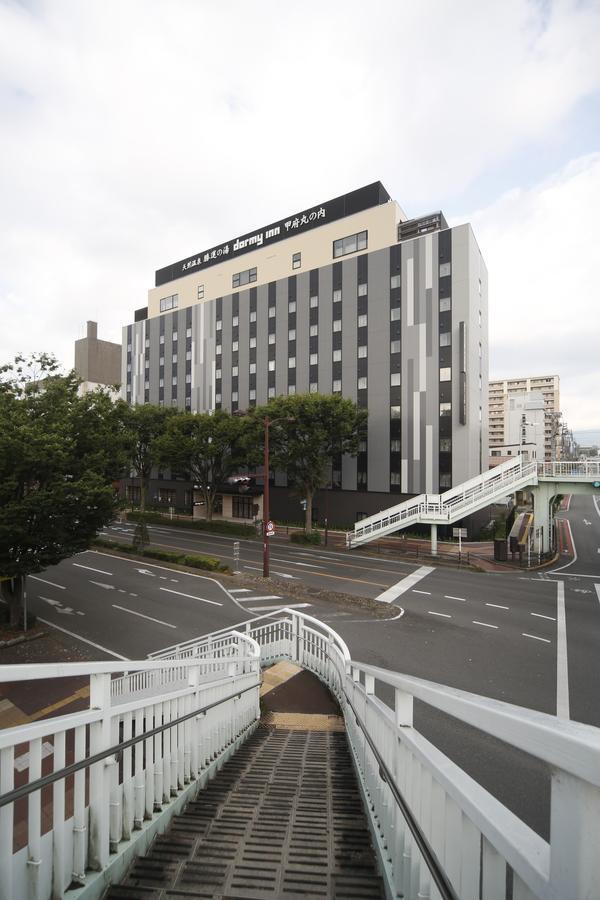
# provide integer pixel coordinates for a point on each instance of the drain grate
(283, 820)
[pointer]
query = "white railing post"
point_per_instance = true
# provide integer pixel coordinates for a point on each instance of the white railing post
(403, 708)
(574, 830)
(58, 820)
(34, 816)
(7, 783)
(79, 826)
(99, 773)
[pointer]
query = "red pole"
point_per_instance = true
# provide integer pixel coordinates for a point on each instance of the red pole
(266, 502)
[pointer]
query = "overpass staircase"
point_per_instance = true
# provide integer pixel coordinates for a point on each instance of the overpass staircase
(473, 495)
(169, 786)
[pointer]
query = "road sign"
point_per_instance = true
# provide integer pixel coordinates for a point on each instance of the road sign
(459, 532)
(270, 529)
(236, 557)
(597, 484)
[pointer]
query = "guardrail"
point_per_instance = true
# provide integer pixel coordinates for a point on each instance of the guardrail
(439, 833)
(81, 794)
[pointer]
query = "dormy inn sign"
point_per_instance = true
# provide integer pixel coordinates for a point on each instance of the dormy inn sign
(356, 201)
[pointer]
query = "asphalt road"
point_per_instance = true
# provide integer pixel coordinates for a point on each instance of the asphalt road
(499, 635)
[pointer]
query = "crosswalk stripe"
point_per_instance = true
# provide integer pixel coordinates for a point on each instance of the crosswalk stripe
(268, 608)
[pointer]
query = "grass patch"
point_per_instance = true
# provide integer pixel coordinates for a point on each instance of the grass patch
(208, 563)
(216, 527)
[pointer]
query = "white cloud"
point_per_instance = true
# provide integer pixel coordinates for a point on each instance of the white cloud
(138, 131)
(543, 255)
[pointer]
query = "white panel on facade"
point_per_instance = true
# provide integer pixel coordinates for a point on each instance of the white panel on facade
(404, 476)
(428, 261)
(422, 356)
(417, 425)
(410, 292)
(429, 459)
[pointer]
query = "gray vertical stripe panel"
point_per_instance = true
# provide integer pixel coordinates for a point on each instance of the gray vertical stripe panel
(302, 317)
(244, 332)
(408, 379)
(262, 327)
(378, 459)
(281, 336)
(153, 328)
(226, 354)
(325, 332)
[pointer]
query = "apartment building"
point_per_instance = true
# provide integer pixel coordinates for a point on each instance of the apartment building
(348, 296)
(499, 393)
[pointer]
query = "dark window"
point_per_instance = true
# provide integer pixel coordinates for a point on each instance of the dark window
(169, 302)
(296, 260)
(350, 244)
(242, 508)
(245, 277)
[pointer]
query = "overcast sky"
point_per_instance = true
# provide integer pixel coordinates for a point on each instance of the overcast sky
(137, 132)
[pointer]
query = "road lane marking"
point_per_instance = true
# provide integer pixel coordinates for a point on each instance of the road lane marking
(107, 587)
(408, 582)
(540, 616)
(574, 560)
(142, 616)
(422, 592)
(485, 624)
(51, 602)
(597, 586)
(191, 596)
(535, 637)
(443, 615)
(51, 583)
(78, 637)
(281, 574)
(449, 597)
(562, 666)
(265, 597)
(497, 606)
(89, 568)
(271, 608)
(240, 591)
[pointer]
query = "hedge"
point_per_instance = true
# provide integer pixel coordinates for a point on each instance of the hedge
(217, 527)
(209, 563)
(305, 537)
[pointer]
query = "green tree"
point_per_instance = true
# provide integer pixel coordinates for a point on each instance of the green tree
(312, 428)
(60, 455)
(210, 447)
(146, 424)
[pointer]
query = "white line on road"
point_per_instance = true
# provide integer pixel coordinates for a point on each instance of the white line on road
(85, 640)
(265, 597)
(191, 596)
(562, 667)
(376, 621)
(485, 624)
(142, 616)
(450, 597)
(574, 560)
(89, 568)
(270, 608)
(51, 602)
(535, 637)
(281, 574)
(422, 592)
(406, 584)
(444, 615)
(240, 591)
(597, 586)
(51, 583)
(540, 616)
(497, 606)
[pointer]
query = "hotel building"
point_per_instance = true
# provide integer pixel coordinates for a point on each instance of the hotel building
(348, 296)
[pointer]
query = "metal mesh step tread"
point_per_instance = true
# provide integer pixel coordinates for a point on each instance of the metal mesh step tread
(282, 820)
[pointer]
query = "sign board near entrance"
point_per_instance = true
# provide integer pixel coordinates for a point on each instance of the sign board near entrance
(270, 529)
(459, 532)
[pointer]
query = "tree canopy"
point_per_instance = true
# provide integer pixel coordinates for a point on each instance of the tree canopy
(312, 428)
(210, 447)
(59, 456)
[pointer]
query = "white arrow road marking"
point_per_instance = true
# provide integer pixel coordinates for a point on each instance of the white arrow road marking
(51, 583)
(107, 587)
(146, 572)
(191, 596)
(586, 522)
(51, 602)
(89, 568)
(66, 610)
(142, 616)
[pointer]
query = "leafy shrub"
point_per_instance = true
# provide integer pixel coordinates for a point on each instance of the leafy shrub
(305, 537)
(209, 563)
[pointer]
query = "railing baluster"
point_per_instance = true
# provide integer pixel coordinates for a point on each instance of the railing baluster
(493, 873)
(7, 782)
(99, 790)
(470, 862)
(79, 818)
(34, 820)
(58, 820)
(128, 780)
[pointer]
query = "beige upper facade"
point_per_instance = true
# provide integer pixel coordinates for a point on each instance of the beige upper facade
(548, 386)
(274, 261)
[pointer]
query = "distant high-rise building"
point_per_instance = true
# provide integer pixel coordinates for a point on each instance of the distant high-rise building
(499, 393)
(98, 363)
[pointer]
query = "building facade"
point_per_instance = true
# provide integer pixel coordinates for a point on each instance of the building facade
(501, 391)
(346, 297)
(524, 429)
(98, 363)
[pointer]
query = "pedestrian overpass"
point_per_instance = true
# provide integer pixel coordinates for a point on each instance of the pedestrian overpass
(119, 800)
(545, 480)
